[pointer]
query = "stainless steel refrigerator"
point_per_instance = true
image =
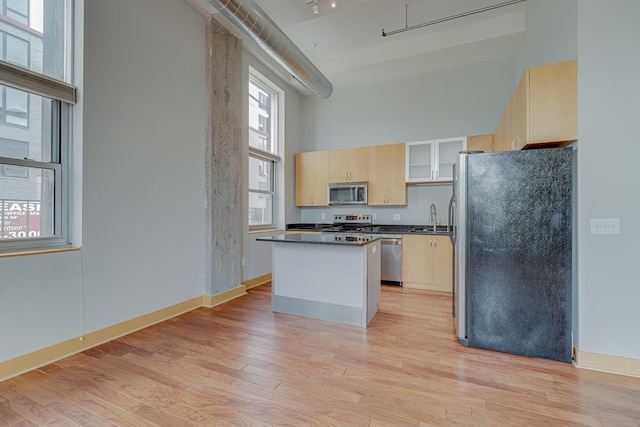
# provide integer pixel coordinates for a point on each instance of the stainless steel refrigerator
(511, 217)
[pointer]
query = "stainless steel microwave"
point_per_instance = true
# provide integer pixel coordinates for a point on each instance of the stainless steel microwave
(347, 193)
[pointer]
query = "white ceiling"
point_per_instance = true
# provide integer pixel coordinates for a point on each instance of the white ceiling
(347, 46)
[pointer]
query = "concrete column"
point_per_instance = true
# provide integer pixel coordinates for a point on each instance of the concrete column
(223, 161)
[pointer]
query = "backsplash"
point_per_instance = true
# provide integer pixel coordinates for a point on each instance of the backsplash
(419, 200)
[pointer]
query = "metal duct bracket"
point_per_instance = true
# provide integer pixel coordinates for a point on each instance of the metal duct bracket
(251, 20)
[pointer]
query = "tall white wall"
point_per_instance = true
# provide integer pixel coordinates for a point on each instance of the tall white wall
(604, 37)
(551, 36)
(608, 91)
(142, 200)
(460, 101)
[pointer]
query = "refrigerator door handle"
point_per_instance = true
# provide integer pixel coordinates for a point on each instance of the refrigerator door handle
(452, 209)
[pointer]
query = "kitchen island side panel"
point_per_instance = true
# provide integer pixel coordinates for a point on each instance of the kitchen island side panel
(338, 283)
(323, 273)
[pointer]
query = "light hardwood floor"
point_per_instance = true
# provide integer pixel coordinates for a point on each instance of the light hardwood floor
(241, 364)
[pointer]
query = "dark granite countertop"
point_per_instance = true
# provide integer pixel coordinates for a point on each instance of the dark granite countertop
(319, 239)
(378, 228)
(306, 226)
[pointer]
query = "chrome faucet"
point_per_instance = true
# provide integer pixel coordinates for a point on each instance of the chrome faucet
(433, 216)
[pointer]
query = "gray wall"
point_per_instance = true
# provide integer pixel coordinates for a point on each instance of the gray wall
(551, 36)
(142, 197)
(608, 90)
(456, 102)
(604, 37)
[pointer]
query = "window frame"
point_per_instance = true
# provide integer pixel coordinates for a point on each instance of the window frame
(60, 97)
(275, 105)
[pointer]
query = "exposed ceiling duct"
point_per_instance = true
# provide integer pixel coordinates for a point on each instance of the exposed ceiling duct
(251, 20)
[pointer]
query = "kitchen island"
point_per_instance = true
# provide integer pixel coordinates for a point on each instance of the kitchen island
(326, 278)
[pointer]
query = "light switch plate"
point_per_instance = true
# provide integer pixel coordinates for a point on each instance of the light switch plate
(605, 225)
(322, 215)
(396, 217)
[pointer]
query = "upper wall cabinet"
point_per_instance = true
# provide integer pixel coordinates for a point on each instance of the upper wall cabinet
(349, 165)
(432, 161)
(311, 178)
(482, 143)
(543, 110)
(386, 175)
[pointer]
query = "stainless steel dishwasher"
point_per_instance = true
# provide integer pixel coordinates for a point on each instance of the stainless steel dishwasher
(391, 259)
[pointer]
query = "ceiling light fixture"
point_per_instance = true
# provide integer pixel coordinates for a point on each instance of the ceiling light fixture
(315, 5)
(334, 4)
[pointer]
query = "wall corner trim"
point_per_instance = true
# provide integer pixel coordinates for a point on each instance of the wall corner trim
(210, 301)
(44, 356)
(608, 363)
(257, 281)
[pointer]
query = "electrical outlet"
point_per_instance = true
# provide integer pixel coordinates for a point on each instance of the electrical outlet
(242, 261)
(396, 217)
(322, 215)
(374, 216)
(605, 225)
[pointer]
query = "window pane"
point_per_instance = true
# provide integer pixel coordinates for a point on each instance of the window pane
(26, 206)
(20, 6)
(40, 50)
(17, 51)
(260, 212)
(17, 107)
(260, 174)
(13, 149)
(262, 102)
(18, 10)
(36, 114)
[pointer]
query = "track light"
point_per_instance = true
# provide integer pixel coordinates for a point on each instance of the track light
(315, 7)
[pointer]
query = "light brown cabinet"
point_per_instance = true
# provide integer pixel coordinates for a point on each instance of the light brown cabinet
(386, 175)
(480, 143)
(543, 110)
(349, 165)
(427, 262)
(311, 178)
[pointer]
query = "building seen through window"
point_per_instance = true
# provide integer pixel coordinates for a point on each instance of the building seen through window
(263, 152)
(34, 128)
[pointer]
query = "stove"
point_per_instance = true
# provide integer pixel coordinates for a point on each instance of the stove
(350, 223)
(350, 228)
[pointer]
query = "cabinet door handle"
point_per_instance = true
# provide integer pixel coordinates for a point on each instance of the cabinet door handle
(514, 143)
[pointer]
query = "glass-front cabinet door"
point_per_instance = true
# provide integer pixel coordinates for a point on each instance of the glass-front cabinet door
(432, 161)
(447, 152)
(420, 165)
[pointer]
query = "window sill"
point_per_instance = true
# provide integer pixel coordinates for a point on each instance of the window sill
(39, 251)
(267, 230)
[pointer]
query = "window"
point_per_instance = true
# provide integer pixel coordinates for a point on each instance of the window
(35, 111)
(263, 152)
(18, 10)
